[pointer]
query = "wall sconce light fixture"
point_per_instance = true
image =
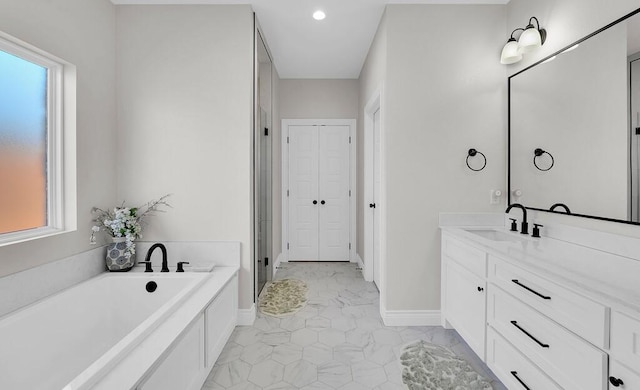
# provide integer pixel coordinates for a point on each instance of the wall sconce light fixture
(530, 39)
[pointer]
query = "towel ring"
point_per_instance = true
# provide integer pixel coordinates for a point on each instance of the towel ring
(539, 152)
(472, 153)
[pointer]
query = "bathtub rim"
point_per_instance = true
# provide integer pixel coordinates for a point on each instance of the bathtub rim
(96, 369)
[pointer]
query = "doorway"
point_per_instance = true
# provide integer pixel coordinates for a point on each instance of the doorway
(373, 204)
(318, 190)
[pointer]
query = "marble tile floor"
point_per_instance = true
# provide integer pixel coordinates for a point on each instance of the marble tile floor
(338, 341)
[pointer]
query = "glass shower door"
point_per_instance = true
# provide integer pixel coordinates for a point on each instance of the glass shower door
(264, 209)
(263, 261)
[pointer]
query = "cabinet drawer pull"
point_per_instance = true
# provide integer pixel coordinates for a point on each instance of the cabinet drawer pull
(515, 323)
(515, 375)
(529, 289)
(616, 382)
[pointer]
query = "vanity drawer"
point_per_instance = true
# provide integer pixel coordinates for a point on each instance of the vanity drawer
(512, 368)
(468, 256)
(618, 372)
(577, 313)
(569, 360)
(625, 339)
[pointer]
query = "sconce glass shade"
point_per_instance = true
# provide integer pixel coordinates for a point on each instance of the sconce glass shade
(530, 40)
(510, 52)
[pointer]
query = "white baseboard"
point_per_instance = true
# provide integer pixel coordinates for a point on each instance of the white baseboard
(411, 317)
(246, 317)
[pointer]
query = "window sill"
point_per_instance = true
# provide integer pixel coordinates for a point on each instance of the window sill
(30, 235)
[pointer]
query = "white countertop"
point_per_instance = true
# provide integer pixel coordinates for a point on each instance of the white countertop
(611, 279)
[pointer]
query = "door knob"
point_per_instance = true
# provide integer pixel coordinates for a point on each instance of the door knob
(322, 202)
(315, 202)
(372, 205)
(616, 382)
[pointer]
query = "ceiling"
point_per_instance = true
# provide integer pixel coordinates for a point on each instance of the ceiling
(303, 48)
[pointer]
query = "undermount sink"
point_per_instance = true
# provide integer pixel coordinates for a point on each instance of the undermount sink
(495, 235)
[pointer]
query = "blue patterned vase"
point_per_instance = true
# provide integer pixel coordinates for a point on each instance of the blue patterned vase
(116, 259)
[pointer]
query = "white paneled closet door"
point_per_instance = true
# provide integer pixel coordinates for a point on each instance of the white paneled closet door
(319, 184)
(334, 175)
(303, 192)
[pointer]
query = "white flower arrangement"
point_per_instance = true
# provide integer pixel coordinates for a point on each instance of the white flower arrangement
(125, 222)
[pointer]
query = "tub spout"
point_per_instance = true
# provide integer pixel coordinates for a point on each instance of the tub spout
(165, 267)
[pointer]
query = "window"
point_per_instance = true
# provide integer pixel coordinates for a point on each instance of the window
(32, 140)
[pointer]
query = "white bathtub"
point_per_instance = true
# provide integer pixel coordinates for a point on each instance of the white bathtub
(72, 339)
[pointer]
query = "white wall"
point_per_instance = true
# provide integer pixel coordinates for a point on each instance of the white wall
(185, 90)
(445, 92)
(82, 33)
(567, 21)
(318, 99)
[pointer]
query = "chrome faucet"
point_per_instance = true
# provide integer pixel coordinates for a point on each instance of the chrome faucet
(564, 206)
(165, 267)
(524, 227)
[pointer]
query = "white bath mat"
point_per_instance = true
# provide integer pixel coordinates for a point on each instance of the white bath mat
(283, 298)
(434, 367)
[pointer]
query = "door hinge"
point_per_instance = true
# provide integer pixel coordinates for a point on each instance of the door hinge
(349, 139)
(266, 261)
(266, 131)
(287, 192)
(287, 245)
(349, 192)
(287, 139)
(349, 246)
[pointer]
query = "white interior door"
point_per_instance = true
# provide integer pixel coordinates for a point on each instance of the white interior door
(334, 177)
(376, 198)
(303, 191)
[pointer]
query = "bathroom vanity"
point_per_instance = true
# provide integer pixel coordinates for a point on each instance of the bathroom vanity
(545, 313)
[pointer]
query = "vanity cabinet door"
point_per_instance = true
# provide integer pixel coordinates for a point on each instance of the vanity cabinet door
(465, 305)
(625, 339)
(624, 378)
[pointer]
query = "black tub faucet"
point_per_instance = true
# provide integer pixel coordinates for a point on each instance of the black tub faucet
(564, 206)
(165, 267)
(524, 227)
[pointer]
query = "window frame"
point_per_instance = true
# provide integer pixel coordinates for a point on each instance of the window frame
(60, 217)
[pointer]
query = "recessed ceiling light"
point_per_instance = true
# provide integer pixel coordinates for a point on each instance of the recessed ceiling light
(319, 15)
